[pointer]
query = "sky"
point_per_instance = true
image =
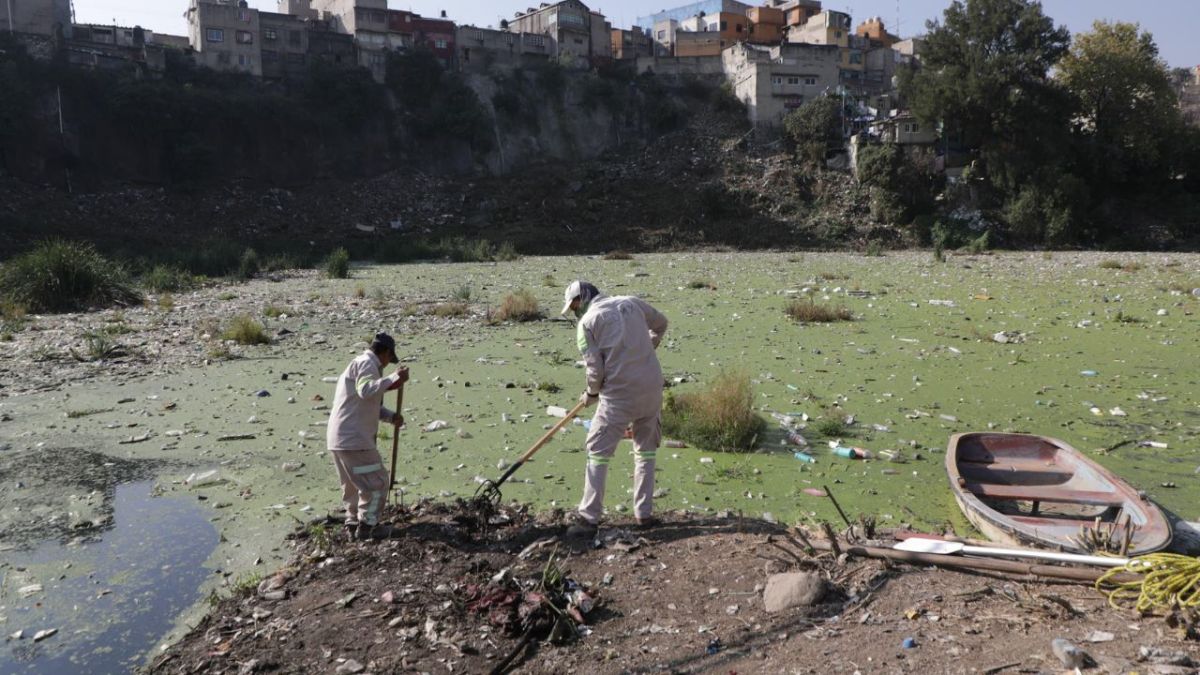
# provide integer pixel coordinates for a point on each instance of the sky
(1171, 21)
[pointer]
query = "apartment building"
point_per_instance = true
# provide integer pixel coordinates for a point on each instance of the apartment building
(37, 17)
(480, 49)
(580, 35)
(685, 12)
(365, 20)
(628, 45)
(408, 30)
(774, 80)
(224, 35)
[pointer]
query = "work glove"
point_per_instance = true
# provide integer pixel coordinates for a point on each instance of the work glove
(588, 399)
(401, 378)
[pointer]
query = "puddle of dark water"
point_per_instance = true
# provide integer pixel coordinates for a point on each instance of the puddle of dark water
(152, 564)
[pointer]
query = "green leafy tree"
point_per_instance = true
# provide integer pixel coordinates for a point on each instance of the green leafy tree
(1128, 112)
(815, 128)
(984, 75)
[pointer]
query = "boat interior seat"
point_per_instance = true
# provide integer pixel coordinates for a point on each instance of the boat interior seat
(1043, 494)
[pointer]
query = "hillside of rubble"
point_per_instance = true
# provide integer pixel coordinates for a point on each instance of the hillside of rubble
(704, 185)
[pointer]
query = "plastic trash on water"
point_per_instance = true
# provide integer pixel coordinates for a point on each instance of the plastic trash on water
(794, 438)
(851, 453)
(436, 425)
(805, 457)
(556, 411)
(211, 477)
(1088, 373)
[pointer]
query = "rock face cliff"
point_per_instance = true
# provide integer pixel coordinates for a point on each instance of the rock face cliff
(90, 130)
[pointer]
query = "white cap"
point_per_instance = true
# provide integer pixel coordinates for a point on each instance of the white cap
(579, 290)
(573, 292)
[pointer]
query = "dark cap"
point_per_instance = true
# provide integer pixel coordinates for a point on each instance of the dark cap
(384, 343)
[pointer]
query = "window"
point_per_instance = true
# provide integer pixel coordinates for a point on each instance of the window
(662, 35)
(270, 34)
(856, 57)
(295, 58)
(776, 79)
(837, 34)
(245, 37)
(244, 15)
(270, 56)
(793, 80)
(724, 25)
(245, 60)
(534, 40)
(810, 81)
(215, 34)
(440, 44)
(578, 41)
(294, 38)
(737, 28)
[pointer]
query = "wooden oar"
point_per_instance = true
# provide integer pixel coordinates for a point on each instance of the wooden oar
(919, 545)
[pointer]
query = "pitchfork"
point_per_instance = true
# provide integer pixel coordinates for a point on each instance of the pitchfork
(489, 491)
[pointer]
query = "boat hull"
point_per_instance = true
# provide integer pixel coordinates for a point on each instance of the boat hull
(1021, 489)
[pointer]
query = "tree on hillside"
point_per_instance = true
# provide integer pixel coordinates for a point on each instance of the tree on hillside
(1128, 112)
(815, 128)
(983, 74)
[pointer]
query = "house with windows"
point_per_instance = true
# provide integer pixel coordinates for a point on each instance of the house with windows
(224, 35)
(629, 45)
(581, 36)
(366, 21)
(774, 80)
(481, 49)
(408, 30)
(284, 43)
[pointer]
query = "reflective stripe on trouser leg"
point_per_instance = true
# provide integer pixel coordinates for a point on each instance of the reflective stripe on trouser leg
(349, 489)
(647, 434)
(364, 468)
(602, 442)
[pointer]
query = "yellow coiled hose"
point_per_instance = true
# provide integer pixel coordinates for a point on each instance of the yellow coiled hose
(1167, 580)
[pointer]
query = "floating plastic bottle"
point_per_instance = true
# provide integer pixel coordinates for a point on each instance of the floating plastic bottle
(805, 457)
(796, 439)
(852, 453)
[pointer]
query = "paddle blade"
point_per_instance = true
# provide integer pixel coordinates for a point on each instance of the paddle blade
(920, 545)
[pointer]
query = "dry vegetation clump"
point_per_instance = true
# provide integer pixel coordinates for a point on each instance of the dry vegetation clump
(702, 284)
(719, 418)
(618, 255)
(808, 311)
(520, 305)
(449, 309)
(245, 331)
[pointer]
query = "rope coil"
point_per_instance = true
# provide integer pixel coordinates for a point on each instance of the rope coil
(1167, 580)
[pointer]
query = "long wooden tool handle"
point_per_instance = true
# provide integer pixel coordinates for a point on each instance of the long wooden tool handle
(553, 430)
(396, 436)
(1101, 561)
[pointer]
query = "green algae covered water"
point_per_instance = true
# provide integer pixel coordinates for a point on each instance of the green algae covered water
(1063, 345)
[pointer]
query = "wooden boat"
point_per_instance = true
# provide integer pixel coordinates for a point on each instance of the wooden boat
(1025, 490)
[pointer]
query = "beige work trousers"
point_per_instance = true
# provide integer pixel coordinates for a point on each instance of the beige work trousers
(364, 484)
(608, 428)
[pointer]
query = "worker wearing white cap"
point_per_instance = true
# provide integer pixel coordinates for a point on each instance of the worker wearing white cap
(618, 337)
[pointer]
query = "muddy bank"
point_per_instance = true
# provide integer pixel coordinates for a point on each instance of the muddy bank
(688, 596)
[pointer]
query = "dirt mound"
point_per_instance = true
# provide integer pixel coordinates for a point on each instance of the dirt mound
(686, 596)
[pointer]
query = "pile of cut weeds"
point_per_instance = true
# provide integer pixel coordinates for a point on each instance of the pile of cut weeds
(683, 597)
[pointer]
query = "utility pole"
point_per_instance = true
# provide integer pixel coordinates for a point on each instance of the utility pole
(10, 18)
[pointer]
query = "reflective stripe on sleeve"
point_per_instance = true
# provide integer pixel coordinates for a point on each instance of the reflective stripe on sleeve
(362, 382)
(581, 338)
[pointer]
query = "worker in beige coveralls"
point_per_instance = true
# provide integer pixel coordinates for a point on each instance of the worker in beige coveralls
(353, 427)
(618, 337)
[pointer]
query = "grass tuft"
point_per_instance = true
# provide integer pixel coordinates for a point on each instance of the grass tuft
(831, 427)
(807, 311)
(463, 293)
(245, 331)
(519, 306)
(706, 284)
(248, 265)
(618, 255)
(337, 265)
(61, 276)
(719, 418)
(832, 276)
(276, 311)
(168, 279)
